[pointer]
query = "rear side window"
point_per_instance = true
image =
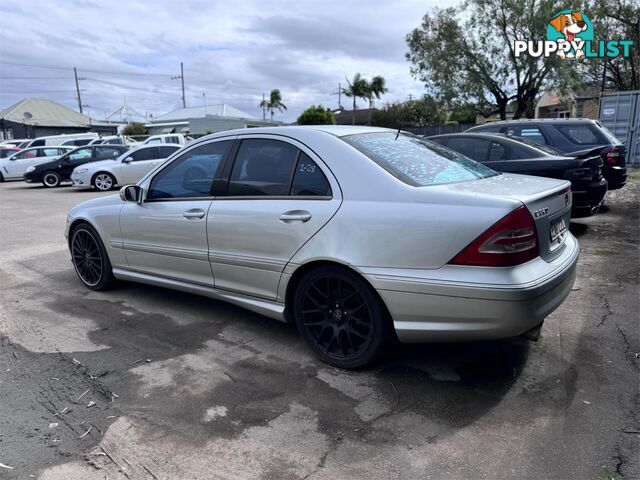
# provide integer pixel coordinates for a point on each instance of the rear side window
(191, 174)
(107, 153)
(262, 167)
(497, 152)
(585, 134)
(144, 154)
(530, 132)
(415, 161)
(49, 152)
(473, 148)
(309, 179)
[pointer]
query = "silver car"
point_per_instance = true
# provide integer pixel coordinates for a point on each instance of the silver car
(355, 234)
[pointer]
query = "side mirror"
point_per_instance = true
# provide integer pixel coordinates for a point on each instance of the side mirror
(127, 160)
(131, 193)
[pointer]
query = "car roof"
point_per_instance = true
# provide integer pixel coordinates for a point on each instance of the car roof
(336, 130)
(537, 120)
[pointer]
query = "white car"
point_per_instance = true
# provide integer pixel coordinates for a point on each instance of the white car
(173, 138)
(13, 167)
(114, 140)
(72, 140)
(130, 167)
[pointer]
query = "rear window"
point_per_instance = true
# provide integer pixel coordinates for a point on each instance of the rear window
(416, 161)
(582, 134)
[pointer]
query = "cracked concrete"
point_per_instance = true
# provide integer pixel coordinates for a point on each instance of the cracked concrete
(187, 387)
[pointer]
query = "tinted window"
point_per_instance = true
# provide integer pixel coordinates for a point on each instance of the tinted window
(309, 179)
(473, 148)
(172, 140)
(191, 174)
(38, 143)
(144, 154)
(81, 153)
(167, 151)
(48, 152)
(415, 161)
(497, 152)
(108, 153)
(530, 132)
(262, 167)
(491, 129)
(582, 134)
(83, 141)
(6, 153)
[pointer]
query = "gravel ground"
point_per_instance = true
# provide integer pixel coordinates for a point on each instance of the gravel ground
(142, 382)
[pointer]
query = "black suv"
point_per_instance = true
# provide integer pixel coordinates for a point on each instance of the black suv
(574, 137)
(51, 174)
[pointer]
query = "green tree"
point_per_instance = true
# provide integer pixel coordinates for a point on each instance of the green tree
(415, 113)
(316, 115)
(357, 88)
(375, 88)
(614, 20)
(463, 112)
(134, 129)
(274, 102)
(467, 54)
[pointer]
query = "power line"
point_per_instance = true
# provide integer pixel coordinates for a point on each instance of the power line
(108, 72)
(34, 78)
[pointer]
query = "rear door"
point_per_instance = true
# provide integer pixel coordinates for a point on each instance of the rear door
(279, 195)
(480, 150)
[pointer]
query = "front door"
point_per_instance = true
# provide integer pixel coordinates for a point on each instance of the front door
(166, 235)
(142, 162)
(278, 197)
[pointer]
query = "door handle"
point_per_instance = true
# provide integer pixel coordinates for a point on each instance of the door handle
(194, 213)
(295, 216)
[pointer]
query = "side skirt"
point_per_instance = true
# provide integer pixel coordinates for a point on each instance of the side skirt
(264, 307)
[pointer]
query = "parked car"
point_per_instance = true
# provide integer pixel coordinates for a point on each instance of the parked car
(15, 142)
(172, 138)
(14, 167)
(114, 140)
(520, 155)
(130, 167)
(73, 139)
(7, 151)
(355, 234)
(52, 174)
(572, 137)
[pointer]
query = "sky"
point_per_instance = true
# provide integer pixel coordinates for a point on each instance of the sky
(233, 51)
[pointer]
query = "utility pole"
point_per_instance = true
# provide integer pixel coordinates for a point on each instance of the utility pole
(75, 74)
(184, 103)
(204, 99)
(339, 93)
(181, 77)
(264, 108)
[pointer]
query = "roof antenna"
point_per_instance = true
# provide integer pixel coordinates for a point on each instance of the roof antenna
(398, 134)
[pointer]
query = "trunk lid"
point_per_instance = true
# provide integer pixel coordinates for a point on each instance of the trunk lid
(547, 199)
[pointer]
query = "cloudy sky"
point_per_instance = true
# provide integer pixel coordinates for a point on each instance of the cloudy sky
(233, 51)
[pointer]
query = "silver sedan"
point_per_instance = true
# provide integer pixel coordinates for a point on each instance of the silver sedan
(355, 234)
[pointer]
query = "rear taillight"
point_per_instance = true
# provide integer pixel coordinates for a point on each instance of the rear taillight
(511, 241)
(611, 157)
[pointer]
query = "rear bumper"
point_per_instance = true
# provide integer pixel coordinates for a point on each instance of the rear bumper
(515, 300)
(589, 196)
(616, 176)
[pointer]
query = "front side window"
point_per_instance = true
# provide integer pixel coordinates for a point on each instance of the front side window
(144, 154)
(25, 154)
(191, 174)
(309, 179)
(415, 161)
(108, 153)
(81, 154)
(263, 167)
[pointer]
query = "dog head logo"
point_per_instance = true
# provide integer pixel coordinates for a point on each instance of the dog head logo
(571, 27)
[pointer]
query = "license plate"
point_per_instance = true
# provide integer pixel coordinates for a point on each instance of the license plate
(557, 229)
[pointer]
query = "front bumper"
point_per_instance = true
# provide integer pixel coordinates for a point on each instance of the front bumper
(441, 306)
(80, 181)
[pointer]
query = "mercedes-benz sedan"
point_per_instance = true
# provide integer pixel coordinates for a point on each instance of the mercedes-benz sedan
(355, 234)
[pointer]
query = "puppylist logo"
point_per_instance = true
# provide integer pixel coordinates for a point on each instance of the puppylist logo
(570, 35)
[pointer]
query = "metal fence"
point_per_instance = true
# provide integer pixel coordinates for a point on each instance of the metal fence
(439, 129)
(620, 113)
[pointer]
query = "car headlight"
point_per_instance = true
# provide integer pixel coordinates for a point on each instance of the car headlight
(81, 170)
(30, 169)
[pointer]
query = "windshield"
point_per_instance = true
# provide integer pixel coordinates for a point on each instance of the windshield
(416, 161)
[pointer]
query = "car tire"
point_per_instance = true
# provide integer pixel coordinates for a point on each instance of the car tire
(90, 259)
(103, 181)
(51, 179)
(340, 316)
(1, 178)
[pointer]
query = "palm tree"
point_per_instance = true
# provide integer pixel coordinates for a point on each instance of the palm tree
(356, 89)
(375, 88)
(274, 102)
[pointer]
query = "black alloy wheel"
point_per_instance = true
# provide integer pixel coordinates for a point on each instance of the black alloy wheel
(51, 179)
(90, 259)
(340, 316)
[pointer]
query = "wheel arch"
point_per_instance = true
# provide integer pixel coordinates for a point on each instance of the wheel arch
(302, 270)
(113, 175)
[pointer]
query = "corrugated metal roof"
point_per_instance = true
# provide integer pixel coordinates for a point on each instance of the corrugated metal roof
(220, 110)
(38, 111)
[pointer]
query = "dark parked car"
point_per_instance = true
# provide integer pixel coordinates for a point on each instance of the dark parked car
(51, 174)
(519, 155)
(572, 137)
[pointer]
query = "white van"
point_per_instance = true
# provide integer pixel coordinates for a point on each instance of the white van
(70, 140)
